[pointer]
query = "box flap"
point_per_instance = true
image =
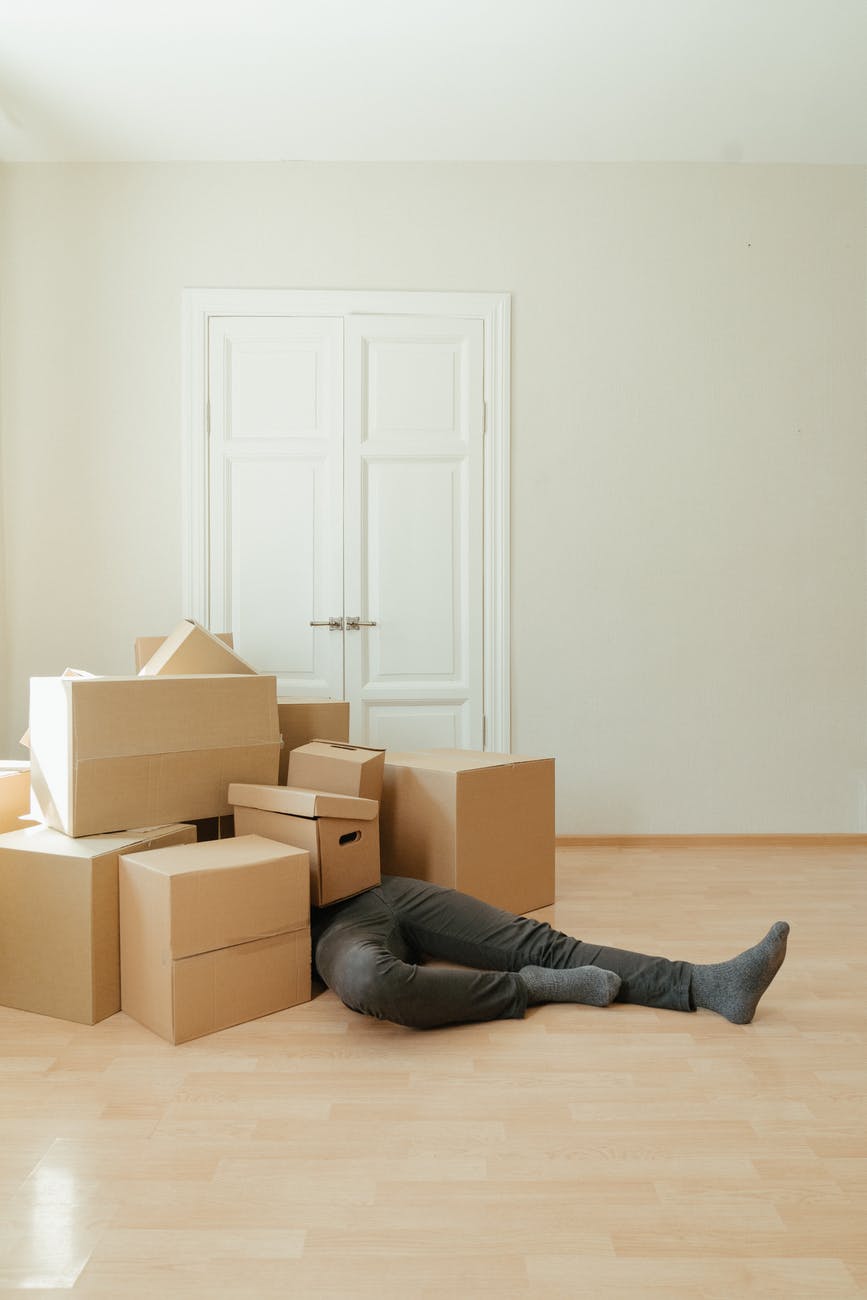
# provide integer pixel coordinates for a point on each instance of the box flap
(298, 802)
(190, 649)
(454, 760)
(341, 749)
(43, 839)
(146, 646)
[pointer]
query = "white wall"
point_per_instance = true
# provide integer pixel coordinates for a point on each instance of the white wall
(688, 530)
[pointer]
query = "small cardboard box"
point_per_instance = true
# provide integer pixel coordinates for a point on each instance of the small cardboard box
(213, 934)
(481, 823)
(339, 832)
(192, 649)
(337, 767)
(304, 720)
(59, 952)
(146, 646)
(112, 752)
(14, 795)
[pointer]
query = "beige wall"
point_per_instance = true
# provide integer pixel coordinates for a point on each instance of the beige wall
(688, 437)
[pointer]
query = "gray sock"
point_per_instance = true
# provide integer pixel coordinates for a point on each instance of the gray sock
(733, 988)
(591, 985)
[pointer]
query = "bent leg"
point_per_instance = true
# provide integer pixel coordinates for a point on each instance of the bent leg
(366, 960)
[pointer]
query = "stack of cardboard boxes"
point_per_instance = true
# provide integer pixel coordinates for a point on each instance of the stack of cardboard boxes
(188, 936)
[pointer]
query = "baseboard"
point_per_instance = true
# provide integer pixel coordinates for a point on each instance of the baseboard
(707, 841)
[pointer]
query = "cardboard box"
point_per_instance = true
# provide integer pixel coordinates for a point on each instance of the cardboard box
(146, 646)
(303, 720)
(59, 950)
(112, 752)
(191, 648)
(213, 934)
(481, 823)
(339, 832)
(14, 795)
(338, 768)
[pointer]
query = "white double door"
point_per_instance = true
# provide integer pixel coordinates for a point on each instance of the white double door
(345, 502)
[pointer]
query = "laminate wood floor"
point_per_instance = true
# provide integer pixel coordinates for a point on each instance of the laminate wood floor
(581, 1152)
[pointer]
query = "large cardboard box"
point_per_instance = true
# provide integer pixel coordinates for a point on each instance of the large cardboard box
(303, 720)
(481, 823)
(146, 646)
(338, 768)
(191, 648)
(59, 952)
(339, 832)
(14, 795)
(112, 752)
(213, 934)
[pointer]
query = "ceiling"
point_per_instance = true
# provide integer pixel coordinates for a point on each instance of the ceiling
(589, 80)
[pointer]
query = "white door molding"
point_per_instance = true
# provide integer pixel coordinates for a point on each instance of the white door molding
(494, 310)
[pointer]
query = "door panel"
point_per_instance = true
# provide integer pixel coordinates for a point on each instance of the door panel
(413, 513)
(276, 495)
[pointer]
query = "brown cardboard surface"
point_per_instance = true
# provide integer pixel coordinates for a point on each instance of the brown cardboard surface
(59, 948)
(303, 803)
(190, 648)
(113, 752)
(215, 990)
(183, 915)
(303, 720)
(14, 795)
(337, 767)
(481, 823)
(146, 646)
(344, 853)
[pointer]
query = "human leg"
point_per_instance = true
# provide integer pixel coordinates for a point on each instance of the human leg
(453, 926)
(364, 957)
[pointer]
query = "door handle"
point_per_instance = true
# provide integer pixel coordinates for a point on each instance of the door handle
(353, 624)
(335, 624)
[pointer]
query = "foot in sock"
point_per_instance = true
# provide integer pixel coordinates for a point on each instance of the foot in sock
(591, 985)
(733, 988)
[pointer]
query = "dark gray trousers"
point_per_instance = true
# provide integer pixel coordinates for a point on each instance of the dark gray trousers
(370, 948)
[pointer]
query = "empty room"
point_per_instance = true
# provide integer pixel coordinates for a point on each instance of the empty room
(433, 649)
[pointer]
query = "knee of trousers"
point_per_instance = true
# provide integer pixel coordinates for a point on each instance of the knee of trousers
(370, 979)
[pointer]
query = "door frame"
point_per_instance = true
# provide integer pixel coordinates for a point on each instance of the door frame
(494, 309)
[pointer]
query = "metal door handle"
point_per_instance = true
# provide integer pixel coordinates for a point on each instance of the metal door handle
(336, 624)
(353, 624)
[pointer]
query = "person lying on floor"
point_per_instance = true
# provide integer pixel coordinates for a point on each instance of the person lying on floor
(368, 950)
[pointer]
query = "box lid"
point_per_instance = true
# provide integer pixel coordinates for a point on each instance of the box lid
(43, 839)
(456, 760)
(339, 749)
(223, 892)
(298, 802)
